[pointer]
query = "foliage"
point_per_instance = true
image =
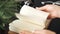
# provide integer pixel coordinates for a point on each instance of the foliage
(7, 10)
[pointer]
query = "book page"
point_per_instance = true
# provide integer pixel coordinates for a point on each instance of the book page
(34, 15)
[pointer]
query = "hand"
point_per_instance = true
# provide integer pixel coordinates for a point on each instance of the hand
(38, 32)
(44, 32)
(25, 32)
(54, 10)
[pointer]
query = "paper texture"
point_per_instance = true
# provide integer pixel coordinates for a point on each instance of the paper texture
(29, 19)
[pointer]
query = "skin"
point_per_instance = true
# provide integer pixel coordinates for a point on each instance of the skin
(25, 32)
(54, 10)
(44, 32)
(38, 32)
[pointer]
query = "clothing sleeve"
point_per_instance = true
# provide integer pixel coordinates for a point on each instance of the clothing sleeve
(55, 25)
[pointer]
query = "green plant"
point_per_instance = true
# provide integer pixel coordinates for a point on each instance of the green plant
(8, 8)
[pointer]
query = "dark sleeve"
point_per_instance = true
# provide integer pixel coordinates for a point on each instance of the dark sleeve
(55, 25)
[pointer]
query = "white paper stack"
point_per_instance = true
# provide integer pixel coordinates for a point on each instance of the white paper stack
(29, 19)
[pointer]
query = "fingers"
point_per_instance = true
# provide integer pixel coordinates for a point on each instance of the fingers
(41, 8)
(45, 8)
(50, 9)
(25, 32)
(37, 32)
(44, 32)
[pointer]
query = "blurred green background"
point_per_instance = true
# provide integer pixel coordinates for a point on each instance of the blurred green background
(8, 8)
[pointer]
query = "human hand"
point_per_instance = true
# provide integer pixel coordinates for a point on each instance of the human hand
(25, 32)
(38, 32)
(54, 10)
(43, 32)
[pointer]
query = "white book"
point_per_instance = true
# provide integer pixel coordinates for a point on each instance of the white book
(29, 19)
